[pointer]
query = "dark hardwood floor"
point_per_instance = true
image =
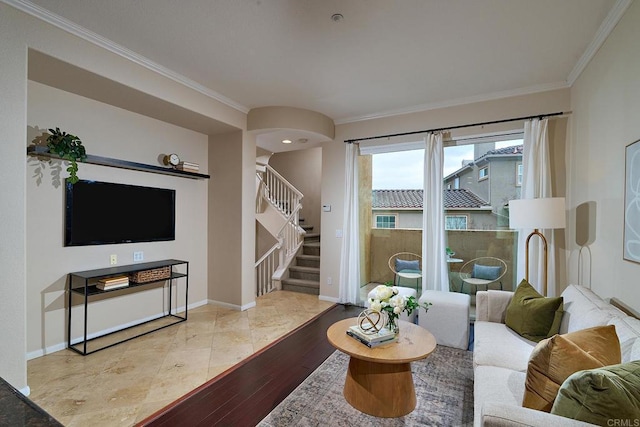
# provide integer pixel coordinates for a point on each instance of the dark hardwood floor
(245, 394)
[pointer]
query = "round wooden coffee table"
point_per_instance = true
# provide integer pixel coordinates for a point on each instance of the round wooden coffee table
(379, 380)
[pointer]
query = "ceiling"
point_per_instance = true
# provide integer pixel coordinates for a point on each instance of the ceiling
(382, 58)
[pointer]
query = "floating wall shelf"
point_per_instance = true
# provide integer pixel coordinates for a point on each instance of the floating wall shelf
(40, 151)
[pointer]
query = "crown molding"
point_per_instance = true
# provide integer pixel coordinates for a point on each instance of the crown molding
(607, 26)
(456, 102)
(96, 39)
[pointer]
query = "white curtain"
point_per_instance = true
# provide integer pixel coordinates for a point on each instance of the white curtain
(536, 183)
(349, 288)
(434, 265)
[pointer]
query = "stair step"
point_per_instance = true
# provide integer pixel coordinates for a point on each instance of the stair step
(306, 227)
(309, 257)
(312, 237)
(304, 269)
(306, 273)
(308, 260)
(311, 248)
(301, 285)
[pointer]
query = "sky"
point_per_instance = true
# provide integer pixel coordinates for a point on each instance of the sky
(403, 170)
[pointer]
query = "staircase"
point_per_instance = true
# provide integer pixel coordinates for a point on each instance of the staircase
(293, 263)
(304, 275)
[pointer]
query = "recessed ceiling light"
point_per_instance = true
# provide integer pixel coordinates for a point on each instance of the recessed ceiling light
(286, 141)
(337, 17)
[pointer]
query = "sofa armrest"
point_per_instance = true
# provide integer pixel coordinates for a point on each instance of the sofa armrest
(503, 415)
(491, 306)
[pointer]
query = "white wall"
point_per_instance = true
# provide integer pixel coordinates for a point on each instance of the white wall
(110, 132)
(606, 109)
(13, 223)
(303, 168)
(232, 220)
(20, 32)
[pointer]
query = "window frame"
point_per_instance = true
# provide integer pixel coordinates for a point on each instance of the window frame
(519, 174)
(486, 175)
(466, 221)
(390, 215)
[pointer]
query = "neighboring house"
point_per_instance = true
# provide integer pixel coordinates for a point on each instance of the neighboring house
(403, 209)
(495, 176)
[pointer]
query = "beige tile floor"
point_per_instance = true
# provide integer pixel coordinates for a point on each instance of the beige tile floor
(126, 383)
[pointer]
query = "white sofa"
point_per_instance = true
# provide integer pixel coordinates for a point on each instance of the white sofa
(501, 356)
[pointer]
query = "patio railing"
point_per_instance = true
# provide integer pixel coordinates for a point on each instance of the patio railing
(467, 245)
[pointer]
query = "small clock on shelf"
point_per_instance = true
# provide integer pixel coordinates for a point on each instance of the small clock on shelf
(171, 160)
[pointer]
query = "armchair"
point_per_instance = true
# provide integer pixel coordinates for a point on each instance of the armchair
(406, 265)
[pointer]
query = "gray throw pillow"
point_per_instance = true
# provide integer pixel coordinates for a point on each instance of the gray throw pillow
(486, 272)
(402, 265)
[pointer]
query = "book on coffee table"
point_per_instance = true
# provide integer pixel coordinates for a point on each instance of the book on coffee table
(383, 335)
(374, 344)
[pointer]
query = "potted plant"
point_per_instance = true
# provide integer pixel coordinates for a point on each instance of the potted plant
(68, 147)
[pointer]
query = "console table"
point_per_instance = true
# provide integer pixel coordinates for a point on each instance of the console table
(84, 283)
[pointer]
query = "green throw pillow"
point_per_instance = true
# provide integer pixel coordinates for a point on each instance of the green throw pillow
(601, 396)
(533, 316)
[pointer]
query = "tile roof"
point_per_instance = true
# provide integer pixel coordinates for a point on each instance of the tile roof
(462, 198)
(505, 151)
(405, 199)
(412, 199)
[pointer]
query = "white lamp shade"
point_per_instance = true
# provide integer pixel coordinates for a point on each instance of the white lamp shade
(537, 213)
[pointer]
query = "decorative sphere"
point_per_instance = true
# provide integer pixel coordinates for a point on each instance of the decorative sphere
(371, 321)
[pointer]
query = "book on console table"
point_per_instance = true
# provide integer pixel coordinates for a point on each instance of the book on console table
(109, 283)
(369, 344)
(114, 280)
(104, 287)
(383, 335)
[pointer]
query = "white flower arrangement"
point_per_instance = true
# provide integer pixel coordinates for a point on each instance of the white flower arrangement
(386, 298)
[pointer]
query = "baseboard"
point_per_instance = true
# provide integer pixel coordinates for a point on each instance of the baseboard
(329, 299)
(232, 306)
(61, 346)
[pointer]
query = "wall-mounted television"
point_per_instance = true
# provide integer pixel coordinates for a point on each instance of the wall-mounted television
(100, 213)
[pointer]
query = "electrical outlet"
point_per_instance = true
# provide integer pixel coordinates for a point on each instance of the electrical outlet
(329, 281)
(138, 256)
(113, 259)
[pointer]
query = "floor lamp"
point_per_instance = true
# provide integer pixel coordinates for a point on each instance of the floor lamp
(537, 214)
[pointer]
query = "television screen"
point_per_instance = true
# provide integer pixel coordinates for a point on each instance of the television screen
(100, 213)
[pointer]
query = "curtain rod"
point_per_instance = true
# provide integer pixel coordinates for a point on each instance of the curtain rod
(537, 116)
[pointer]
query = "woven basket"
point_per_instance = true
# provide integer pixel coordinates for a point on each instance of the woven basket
(150, 275)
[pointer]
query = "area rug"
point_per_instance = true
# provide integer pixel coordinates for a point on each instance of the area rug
(444, 390)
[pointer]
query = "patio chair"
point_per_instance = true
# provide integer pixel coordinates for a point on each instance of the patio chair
(406, 265)
(482, 271)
